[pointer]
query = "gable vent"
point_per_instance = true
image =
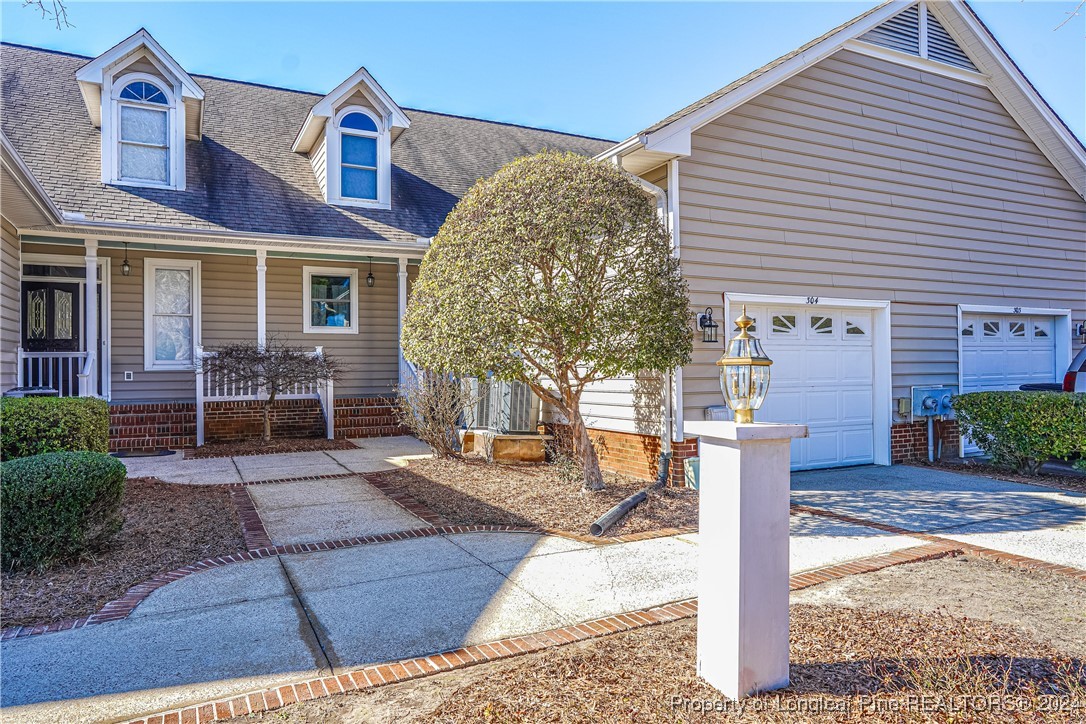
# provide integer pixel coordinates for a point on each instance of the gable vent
(901, 32)
(928, 39)
(941, 46)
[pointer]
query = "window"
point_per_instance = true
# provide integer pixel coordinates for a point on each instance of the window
(992, 329)
(1017, 329)
(143, 134)
(363, 172)
(821, 324)
(331, 300)
(784, 324)
(171, 313)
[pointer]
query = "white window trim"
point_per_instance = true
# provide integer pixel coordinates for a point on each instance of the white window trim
(150, 364)
(307, 293)
(334, 169)
(111, 131)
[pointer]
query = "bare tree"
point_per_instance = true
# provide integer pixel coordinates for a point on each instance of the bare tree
(431, 407)
(272, 369)
(51, 9)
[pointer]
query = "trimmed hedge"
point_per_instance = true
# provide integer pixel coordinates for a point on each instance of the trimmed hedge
(36, 425)
(1023, 430)
(57, 505)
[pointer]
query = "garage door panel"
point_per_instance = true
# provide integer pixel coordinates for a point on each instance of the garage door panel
(822, 377)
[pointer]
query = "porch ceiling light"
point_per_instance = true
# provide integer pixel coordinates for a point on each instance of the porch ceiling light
(369, 277)
(744, 372)
(126, 268)
(707, 326)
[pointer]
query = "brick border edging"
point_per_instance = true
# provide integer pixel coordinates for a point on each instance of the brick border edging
(371, 677)
(253, 531)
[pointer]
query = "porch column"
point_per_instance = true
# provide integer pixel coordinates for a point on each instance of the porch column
(401, 309)
(261, 297)
(90, 325)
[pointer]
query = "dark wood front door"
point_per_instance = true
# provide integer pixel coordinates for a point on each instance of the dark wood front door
(51, 317)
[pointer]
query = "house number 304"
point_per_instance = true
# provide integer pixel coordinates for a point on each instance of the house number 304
(812, 300)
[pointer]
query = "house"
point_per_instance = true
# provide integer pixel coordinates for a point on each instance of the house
(211, 211)
(893, 202)
(896, 206)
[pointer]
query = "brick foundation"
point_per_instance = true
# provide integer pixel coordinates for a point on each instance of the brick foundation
(909, 440)
(152, 426)
(234, 421)
(146, 426)
(636, 455)
(367, 417)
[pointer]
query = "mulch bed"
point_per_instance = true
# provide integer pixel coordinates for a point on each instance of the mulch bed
(259, 447)
(1070, 482)
(166, 527)
(474, 492)
(847, 664)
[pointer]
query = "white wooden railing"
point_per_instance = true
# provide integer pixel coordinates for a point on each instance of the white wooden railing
(66, 372)
(219, 387)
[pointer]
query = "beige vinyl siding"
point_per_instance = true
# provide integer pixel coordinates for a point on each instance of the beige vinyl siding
(9, 304)
(370, 357)
(319, 158)
(864, 179)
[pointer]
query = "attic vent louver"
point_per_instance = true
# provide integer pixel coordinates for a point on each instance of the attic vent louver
(929, 39)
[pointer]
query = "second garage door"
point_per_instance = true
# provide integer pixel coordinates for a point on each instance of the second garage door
(823, 377)
(1001, 352)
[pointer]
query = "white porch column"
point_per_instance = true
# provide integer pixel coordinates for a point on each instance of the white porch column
(90, 313)
(261, 297)
(743, 555)
(401, 310)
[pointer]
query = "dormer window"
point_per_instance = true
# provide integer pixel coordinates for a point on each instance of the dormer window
(358, 146)
(143, 150)
(358, 160)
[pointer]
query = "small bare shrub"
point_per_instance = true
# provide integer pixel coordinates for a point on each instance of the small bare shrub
(431, 406)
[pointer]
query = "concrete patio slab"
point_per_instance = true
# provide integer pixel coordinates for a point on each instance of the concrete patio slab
(228, 585)
(337, 520)
(1043, 536)
(426, 613)
(175, 470)
(490, 548)
(275, 496)
(125, 668)
(256, 468)
(817, 542)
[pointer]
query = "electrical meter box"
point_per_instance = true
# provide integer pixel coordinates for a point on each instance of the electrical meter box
(933, 401)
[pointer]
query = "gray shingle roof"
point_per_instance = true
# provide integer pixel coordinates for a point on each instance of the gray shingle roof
(242, 176)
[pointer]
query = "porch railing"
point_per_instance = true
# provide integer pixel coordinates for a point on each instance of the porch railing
(227, 387)
(66, 372)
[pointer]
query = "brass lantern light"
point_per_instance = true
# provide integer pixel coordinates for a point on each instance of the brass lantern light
(744, 372)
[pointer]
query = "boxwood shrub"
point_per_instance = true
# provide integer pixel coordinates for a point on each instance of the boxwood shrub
(35, 425)
(57, 505)
(1023, 430)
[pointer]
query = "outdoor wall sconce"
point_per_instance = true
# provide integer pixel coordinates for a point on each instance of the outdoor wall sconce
(744, 372)
(369, 277)
(707, 326)
(126, 268)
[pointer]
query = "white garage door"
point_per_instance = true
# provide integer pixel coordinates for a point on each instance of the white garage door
(823, 372)
(1001, 352)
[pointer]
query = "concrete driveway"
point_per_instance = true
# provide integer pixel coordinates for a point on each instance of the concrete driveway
(1026, 520)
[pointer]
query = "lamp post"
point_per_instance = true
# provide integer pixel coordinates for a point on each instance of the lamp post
(744, 372)
(743, 531)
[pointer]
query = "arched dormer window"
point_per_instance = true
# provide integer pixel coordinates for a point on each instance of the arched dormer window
(144, 144)
(362, 176)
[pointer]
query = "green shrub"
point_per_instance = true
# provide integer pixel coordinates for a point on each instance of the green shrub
(1023, 430)
(36, 425)
(57, 505)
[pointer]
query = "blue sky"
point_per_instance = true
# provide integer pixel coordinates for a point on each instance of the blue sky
(600, 69)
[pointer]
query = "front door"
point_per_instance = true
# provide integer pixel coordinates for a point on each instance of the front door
(51, 316)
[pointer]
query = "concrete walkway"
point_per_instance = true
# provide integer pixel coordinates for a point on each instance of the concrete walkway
(262, 623)
(371, 455)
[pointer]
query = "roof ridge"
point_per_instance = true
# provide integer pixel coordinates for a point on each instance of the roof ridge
(321, 95)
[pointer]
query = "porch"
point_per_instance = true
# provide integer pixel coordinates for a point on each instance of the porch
(134, 337)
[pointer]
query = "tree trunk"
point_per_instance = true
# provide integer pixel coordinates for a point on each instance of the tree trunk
(583, 449)
(267, 417)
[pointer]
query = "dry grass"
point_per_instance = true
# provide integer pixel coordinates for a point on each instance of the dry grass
(166, 526)
(847, 665)
(1071, 482)
(273, 446)
(474, 492)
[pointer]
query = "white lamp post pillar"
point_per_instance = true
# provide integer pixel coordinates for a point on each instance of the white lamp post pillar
(743, 552)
